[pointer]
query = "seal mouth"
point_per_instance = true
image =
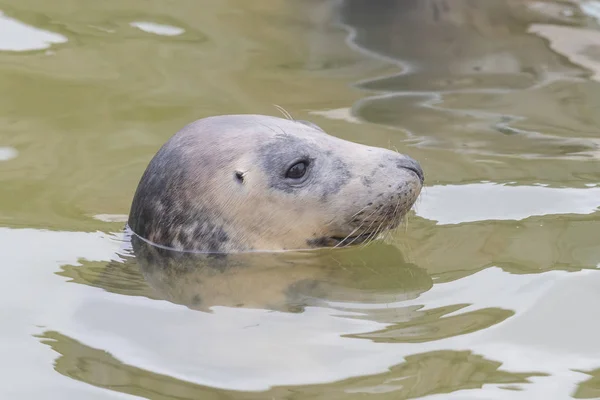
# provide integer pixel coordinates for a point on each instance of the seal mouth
(352, 240)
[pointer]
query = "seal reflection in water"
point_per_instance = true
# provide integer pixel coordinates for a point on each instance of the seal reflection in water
(280, 281)
(239, 183)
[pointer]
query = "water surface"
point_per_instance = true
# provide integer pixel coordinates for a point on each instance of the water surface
(489, 291)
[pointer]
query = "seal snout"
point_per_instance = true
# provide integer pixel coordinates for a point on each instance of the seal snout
(413, 165)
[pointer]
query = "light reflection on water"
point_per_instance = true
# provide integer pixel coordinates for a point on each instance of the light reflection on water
(17, 36)
(455, 204)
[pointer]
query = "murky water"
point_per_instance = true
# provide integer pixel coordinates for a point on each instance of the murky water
(491, 292)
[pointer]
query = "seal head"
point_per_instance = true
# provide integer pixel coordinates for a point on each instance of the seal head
(236, 183)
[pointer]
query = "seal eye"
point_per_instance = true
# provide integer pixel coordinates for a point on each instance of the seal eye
(297, 170)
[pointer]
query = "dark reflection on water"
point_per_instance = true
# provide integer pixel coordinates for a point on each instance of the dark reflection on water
(420, 375)
(286, 281)
(590, 388)
(438, 372)
(456, 45)
(434, 324)
(464, 66)
(98, 368)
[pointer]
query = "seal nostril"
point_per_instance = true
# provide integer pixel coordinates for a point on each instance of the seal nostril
(412, 165)
(418, 172)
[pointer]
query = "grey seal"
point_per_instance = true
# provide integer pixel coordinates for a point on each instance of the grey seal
(243, 183)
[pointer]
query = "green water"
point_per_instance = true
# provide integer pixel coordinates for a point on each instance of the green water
(490, 291)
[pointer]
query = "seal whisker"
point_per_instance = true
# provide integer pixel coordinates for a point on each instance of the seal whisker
(392, 221)
(356, 229)
(403, 224)
(359, 211)
(368, 239)
(374, 234)
(284, 112)
(359, 227)
(400, 218)
(347, 236)
(394, 228)
(391, 147)
(269, 128)
(395, 213)
(371, 224)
